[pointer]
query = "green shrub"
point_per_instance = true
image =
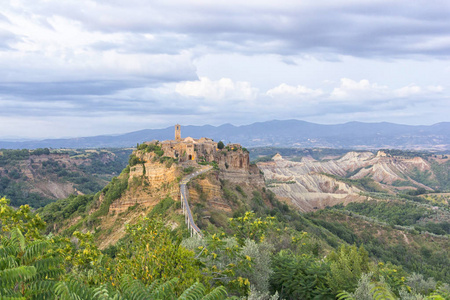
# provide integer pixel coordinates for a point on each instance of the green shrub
(188, 170)
(241, 191)
(134, 160)
(161, 207)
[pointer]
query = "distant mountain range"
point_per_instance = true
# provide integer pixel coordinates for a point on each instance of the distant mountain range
(287, 133)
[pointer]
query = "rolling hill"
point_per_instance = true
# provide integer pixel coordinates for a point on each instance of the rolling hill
(286, 133)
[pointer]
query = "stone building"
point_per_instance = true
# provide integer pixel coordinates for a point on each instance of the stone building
(232, 157)
(189, 149)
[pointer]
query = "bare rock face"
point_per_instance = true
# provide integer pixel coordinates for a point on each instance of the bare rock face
(306, 186)
(386, 170)
(151, 169)
(277, 157)
(250, 176)
(233, 160)
(208, 191)
(234, 164)
(303, 184)
(149, 182)
(52, 189)
(211, 190)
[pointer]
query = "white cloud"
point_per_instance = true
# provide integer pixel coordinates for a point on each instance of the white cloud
(415, 90)
(285, 90)
(364, 91)
(58, 48)
(223, 89)
(435, 88)
(408, 91)
(353, 90)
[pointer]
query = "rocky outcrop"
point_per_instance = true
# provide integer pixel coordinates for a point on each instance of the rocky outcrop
(149, 182)
(52, 189)
(306, 186)
(233, 160)
(218, 190)
(251, 176)
(386, 169)
(153, 178)
(210, 190)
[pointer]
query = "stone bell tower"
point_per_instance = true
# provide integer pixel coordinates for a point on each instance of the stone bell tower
(177, 133)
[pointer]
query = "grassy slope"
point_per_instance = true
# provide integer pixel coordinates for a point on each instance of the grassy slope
(423, 253)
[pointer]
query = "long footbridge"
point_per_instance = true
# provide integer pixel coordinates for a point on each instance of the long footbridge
(192, 227)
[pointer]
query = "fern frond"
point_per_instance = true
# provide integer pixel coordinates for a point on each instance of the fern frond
(73, 289)
(435, 297)
(118, 297)
(40, 295)
(101, 292)
(47, 263)
(42, 286)
(17, 238)
(345, 296)
(194, 292)
(10, 277)
(35, 249)
(9, 250)
(10, 294)
(126, 281)
(164, 290)
(380, 292)
(134, 289)
(8, 262)
(11, 298)
(62, 290)
(48, 274)
(153, 285)
(218, 293)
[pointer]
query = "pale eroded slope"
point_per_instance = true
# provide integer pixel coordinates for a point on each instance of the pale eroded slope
(305, 184)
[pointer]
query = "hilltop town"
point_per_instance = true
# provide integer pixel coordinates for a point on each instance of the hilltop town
(191, 151)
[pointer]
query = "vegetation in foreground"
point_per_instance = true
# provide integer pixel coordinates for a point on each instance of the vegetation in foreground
(259, 259)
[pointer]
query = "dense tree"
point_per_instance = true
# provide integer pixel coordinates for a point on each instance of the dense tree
(155, 262)
(155, 253)
(300, 277)
(250, 227)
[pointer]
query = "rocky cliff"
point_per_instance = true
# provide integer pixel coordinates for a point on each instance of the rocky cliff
(153, 177)
(149, 182)
(217, 195)
(306, 185)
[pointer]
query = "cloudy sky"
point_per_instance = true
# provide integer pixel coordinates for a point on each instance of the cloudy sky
(85, 67)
